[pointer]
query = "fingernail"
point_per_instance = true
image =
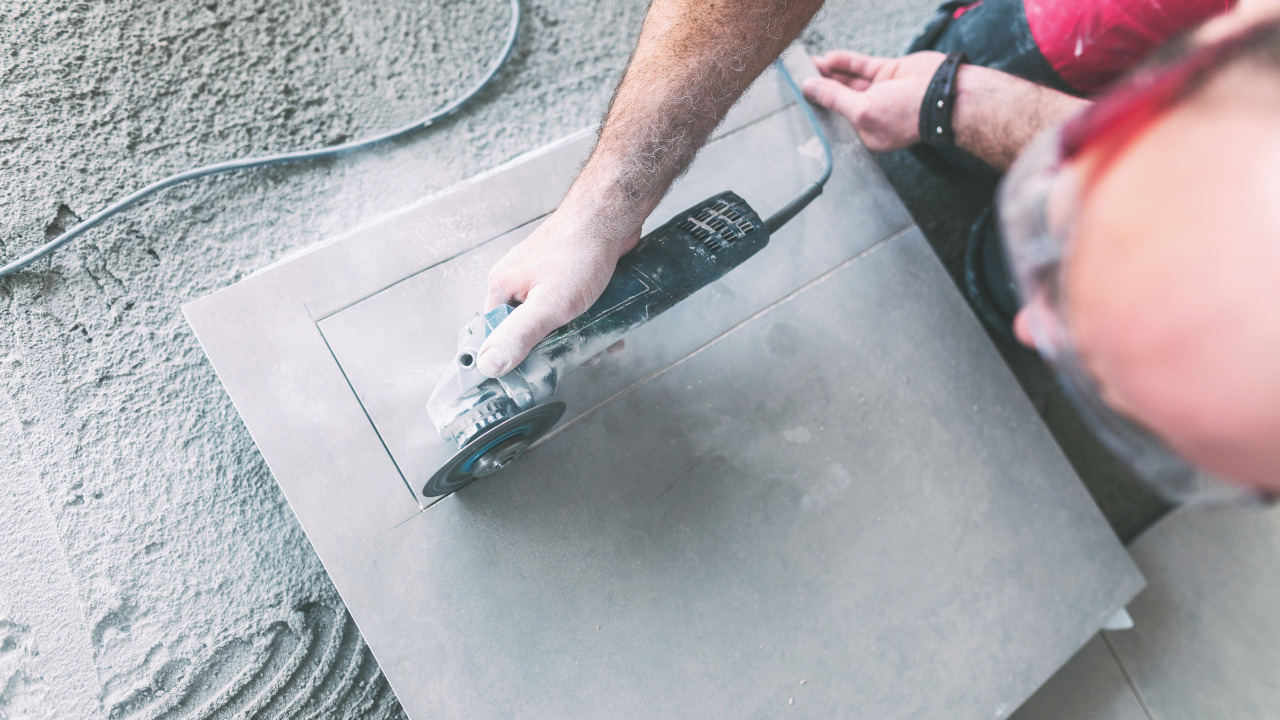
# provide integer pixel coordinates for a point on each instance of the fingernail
(493, 362)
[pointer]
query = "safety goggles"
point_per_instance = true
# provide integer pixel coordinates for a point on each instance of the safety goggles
(1037, 202)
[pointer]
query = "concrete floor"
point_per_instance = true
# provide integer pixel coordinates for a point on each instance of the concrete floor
(150, 566)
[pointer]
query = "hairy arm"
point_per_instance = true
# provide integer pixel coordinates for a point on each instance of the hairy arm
(997, 114)
(691, 64)
(693, 60)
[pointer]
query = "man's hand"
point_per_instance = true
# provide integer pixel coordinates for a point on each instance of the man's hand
(555, 274)
(994, 117)
(880, 96)
(692, 62)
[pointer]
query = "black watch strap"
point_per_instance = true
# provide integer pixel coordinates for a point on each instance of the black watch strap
(939, 101)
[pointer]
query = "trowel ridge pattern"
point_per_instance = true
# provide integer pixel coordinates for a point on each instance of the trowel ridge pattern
(313, 666)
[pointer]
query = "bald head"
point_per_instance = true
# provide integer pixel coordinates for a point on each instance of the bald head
(1173, 277)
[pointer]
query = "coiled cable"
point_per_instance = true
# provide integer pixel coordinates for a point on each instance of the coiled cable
(279, 159)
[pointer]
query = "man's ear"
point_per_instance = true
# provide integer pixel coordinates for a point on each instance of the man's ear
(1022, 329)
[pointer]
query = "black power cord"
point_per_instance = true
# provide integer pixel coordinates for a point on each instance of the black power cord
(806, 196)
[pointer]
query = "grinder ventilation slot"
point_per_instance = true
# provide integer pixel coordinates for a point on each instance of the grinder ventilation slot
(718, 226)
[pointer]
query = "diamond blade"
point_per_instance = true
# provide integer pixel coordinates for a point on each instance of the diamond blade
(494, 448)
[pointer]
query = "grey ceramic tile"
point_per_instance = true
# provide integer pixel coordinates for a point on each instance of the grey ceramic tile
(1207, 638)
(1091, 686)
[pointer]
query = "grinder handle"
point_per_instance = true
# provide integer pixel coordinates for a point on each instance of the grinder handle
(688, 252)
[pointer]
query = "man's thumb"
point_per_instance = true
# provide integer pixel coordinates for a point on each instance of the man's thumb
(834, 95)
(514, 337)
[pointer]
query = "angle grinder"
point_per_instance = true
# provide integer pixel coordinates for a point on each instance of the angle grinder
(493, 420)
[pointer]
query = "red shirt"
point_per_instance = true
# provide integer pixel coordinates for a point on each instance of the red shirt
(1090, 42)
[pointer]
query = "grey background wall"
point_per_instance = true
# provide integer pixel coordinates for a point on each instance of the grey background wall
(149, 567)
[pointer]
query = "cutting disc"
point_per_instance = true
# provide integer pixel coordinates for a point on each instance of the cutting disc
(493, 449)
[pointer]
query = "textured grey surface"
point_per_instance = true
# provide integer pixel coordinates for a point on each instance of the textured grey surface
(847, 484)
(148, 547)
(150, 560)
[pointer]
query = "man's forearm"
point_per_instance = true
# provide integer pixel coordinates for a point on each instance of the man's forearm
(997, 114)
(693, 61)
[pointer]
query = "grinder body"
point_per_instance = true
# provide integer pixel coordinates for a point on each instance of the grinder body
(690, 251)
